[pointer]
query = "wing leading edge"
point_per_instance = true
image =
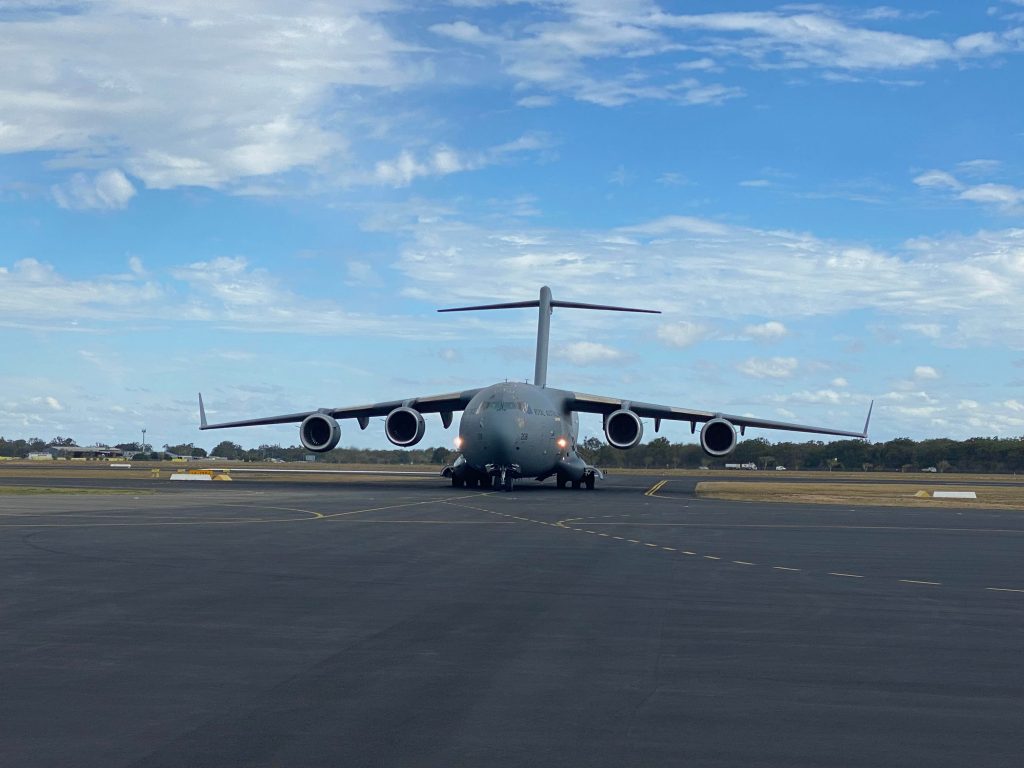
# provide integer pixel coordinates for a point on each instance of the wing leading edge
(445, 404)
(605, 405)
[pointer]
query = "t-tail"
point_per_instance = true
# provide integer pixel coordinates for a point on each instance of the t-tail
(545, 304)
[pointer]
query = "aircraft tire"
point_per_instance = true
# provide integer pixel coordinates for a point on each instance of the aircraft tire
(457, 482)
(509, 483)
(576, 484)
(590, 482)
(561, 481)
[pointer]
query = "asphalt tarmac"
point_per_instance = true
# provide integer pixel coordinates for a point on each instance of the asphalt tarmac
(405, 623)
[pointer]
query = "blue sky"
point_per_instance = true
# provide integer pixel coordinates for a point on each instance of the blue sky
(267, 200)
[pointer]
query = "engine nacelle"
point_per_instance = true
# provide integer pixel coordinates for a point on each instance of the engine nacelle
(623, 429)
(319, 433)
(718, 437)
(404, 427)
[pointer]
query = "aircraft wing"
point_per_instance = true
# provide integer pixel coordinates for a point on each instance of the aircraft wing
(445, 404)
(583, 403)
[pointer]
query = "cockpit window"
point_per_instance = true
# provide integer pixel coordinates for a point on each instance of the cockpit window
(501, 405)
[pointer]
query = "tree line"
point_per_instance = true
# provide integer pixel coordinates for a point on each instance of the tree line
(977, 454)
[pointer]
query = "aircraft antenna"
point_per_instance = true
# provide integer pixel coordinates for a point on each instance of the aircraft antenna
(545, 304)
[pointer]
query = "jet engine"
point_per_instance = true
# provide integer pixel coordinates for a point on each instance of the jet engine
(718, 437)
(623, 429)
(319, 433)
(404, 426)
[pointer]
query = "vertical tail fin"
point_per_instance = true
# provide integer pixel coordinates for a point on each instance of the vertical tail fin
(545, 304)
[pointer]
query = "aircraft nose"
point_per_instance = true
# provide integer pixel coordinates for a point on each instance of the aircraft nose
(501, 432)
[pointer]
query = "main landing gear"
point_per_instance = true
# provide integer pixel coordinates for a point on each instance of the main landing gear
(587, 480)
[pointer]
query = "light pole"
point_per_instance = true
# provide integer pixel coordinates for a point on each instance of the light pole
(143, 440)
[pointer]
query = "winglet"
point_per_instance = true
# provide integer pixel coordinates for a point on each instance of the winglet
(868, 420)
(202, 412)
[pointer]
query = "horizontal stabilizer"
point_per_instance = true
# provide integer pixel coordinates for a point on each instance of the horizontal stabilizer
(554, 303)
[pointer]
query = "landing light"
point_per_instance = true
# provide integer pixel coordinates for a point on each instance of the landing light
(458, 443)
(561, 442)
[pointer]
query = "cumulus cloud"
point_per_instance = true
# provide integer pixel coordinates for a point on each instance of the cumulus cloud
(770, 368)
(925, 372)
(773, 330)
(589, 352)
(682, 334)
(190, 93)
(107, 190)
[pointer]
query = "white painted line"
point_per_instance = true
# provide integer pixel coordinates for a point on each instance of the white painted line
(915, 581)
(784, 568)
(742, 562)
(711, 557)
(846, 575)
(1003, 589)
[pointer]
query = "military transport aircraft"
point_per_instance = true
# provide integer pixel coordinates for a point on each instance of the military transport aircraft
(514, 430)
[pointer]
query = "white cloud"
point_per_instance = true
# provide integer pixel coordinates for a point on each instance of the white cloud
(535, 101)
(770, 368)
(589, 52)
(50, 402)
(682, 334)
(107, 190)
(937, 179)
(136, 267)
(968, 285)
(840, 382)
(773, 330)
(929, 330)
(1006, 198)
(450, 355)
(755, 183)
(1002, 195)
(925, 372)
(589, 352)
(442, 160)
(193, 93)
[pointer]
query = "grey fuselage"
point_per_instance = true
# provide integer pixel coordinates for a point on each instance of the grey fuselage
(523, 429)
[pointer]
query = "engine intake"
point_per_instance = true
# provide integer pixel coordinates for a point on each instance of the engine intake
(623, 429)
(319, 433)
(404, 427)
(718, 437)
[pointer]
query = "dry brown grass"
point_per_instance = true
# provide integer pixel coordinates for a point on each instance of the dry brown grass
(143, 471)
(863, 494)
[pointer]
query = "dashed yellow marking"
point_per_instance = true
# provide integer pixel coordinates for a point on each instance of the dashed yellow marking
(916, 581)
(845, 575)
